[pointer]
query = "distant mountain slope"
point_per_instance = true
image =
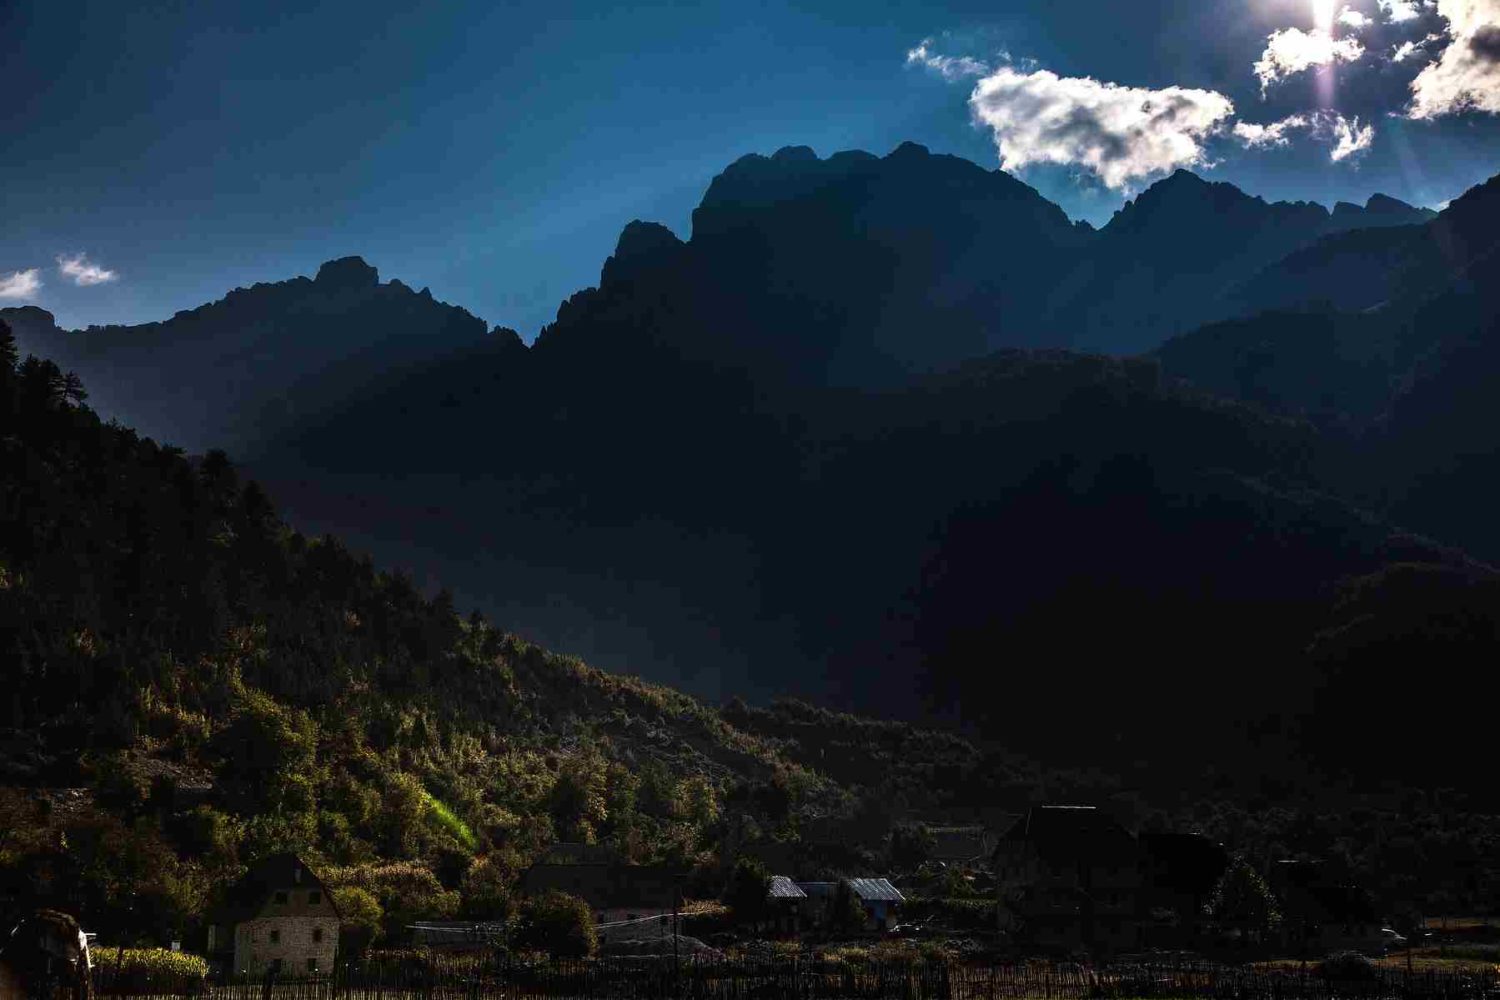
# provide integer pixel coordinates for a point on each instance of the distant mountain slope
(1363, 269)
(871, 549)
(1176, 256)
(226, 373)
(1414, 382)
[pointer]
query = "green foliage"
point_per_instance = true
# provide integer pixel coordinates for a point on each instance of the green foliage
(488, 886)
(558, 924)
(846, 914)
(1243, 901)
(745, 895)
(362, 918)
(910, 845)
(406, 891)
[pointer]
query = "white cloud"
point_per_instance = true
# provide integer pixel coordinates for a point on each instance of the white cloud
(1410, 49)
(1349, 137)
(1121, 134)
(1292, 50)
(83, 272)
(1346, 137)
(1274, 134)
(950, 67)
(20, 284)
(1466, 77)
(1351, 18)
(1402, 10)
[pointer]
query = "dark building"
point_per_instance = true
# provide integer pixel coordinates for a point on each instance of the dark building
(1069, 877)
(613, 890)
(1324, 911)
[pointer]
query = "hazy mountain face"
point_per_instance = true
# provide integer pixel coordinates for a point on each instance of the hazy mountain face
(228, 373)
(766, 459)
(1411, 385)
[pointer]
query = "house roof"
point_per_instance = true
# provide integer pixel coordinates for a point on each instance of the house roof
(782, 887)
(875, 889)
(868, 889)
(283, 871)
(960, 843)
(606, 886)
(1070, 834)
(1184, 862)
(817, 889)
(568, 853)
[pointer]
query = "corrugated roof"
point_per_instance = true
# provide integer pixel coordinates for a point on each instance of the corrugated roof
(871, 889)
(782, 887)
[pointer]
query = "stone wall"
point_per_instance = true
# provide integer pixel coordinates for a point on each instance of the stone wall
(294, 939)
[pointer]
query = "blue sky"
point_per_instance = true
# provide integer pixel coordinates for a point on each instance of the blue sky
(493, 151)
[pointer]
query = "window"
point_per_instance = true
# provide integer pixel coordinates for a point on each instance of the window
(279, 898)
(312, 965)
(317, 935)
(275, 937)
(315, 897)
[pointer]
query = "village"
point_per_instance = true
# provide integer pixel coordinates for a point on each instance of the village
(1065, 885)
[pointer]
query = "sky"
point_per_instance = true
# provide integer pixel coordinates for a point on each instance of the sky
(158, 154)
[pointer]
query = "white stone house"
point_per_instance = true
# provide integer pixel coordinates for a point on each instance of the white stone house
(278, 919)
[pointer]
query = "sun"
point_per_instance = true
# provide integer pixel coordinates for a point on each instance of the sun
(1324, 12)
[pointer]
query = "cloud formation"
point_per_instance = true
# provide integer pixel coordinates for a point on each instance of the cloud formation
(1398, 11)
(1351, 18)
(949, 67)
(1466, 76)
(82, 271)
(1346, 137)
(1292, 51)
(1121, 134)
(1255, 136)
(20, 284)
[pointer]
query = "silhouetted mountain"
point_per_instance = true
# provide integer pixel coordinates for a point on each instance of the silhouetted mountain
(916, 549)
(1368, 267)
(1414, 383)
(229, 372)
(779, 457)
(1174, 258)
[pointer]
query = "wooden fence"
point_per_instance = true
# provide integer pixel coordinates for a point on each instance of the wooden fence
(496, 977)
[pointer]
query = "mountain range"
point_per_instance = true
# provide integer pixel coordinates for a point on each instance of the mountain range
(842, 442)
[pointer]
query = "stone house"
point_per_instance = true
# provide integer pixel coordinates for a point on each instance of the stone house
(278, 919)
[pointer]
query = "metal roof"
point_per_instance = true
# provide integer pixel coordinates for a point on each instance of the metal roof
(782, 887)
(870, 889)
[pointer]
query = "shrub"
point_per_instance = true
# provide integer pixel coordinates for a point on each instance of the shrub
(557, 923)
(1347, 967)
(361, 916)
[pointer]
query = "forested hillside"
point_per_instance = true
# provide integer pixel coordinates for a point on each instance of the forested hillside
(190, 684)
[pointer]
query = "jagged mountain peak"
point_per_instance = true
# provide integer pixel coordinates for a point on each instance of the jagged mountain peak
(348, 272)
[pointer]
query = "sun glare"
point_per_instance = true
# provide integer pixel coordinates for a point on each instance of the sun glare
(1324, 12)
